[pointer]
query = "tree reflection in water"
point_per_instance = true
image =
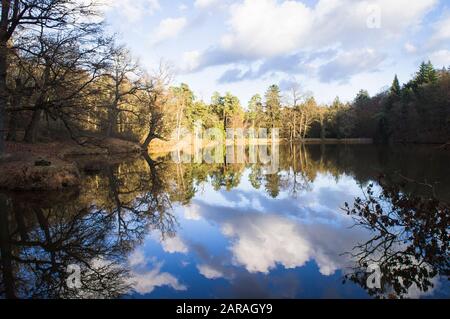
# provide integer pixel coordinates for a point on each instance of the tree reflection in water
(95, 230)
(120, 203)
(410, 242)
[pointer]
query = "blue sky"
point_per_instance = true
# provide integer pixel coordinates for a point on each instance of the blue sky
(329, 47)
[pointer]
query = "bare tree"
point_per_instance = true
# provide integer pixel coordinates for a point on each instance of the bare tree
(60, 68)
(295, 99)
(123, 81)
(308, 111)
(32, 16)
(154, 100)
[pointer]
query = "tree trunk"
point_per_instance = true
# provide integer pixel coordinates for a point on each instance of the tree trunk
(112, 122)
(33, 127)
(305, 127)
(4, 24)
(16, 102)
(3, 90)
(295, 125)
(12, 128)
(150, 137)
(6, 250)
(300, 124)
(322, 129)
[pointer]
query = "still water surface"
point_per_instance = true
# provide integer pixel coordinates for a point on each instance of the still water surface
(151, 228)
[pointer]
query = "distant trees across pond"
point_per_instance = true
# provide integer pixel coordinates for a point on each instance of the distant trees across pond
(417, 112)
(63, 76)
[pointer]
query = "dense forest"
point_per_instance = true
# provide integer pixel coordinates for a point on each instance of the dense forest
(417, 112)
(63, 76)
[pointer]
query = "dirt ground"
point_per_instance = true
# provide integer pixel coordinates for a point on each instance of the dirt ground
(50, 166)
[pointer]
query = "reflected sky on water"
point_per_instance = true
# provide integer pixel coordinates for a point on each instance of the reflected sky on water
(167, 230)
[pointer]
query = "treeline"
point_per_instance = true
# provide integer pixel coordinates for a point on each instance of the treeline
(417, 112)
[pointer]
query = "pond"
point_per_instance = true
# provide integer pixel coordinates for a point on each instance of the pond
(155, 228)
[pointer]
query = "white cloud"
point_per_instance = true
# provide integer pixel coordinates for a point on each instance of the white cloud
(209, 272)
(137, 258)
(145, 282)
(262, 243)
(440, 58)
(191, 212)
(174, 245)
(267, 28)
(146, 275)
(261, 29)
(345, 22)
(349, 63)
(132, 10)
(400, 15)
(169, 28)
(410, 48)
(202, 4)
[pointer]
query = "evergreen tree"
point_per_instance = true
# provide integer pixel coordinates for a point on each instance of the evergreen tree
(200, 111)
(272, 185)
(273, 104)
(426, 74)
(255, 109)
(395, 88)
(216, 99)
(362, 98)
(225, 107)
(336, 103)
(217, 106)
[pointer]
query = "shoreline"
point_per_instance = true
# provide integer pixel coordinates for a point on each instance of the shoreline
(53, 166)
(159, 147)
(57, 166)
